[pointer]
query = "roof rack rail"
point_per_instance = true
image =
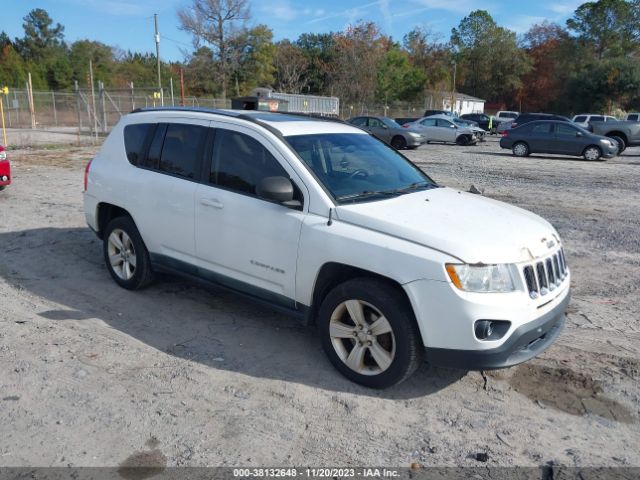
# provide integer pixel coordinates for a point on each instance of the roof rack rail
(216, 111)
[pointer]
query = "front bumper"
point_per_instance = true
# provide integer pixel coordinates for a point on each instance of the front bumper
(526, 342)
(415, 142)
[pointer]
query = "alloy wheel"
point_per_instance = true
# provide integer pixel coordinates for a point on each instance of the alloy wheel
(362, 337)
(122, 255)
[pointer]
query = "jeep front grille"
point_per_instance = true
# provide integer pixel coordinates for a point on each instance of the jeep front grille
(544, 276)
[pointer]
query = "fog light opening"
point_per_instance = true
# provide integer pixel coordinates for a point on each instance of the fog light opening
(491, 329)
(484, 329)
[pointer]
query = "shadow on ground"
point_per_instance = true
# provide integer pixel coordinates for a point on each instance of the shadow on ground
(209, 326)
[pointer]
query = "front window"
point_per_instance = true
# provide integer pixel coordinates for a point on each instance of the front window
(357, 167)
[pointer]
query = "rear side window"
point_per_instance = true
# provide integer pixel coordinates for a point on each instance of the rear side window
(182, 149)
(429, 122)
(597, 118)
(135, 136)
(580, 119)
(633, 117)
(359, 121)
(444, 123)
(541, 128)
(240, 162)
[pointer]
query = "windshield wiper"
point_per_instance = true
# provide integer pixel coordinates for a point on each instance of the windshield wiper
(386, 193)
(370, 193)
(414, 186)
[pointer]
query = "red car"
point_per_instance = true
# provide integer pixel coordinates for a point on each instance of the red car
(5, 169)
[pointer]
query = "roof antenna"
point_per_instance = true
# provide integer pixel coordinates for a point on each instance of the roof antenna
(330, 221)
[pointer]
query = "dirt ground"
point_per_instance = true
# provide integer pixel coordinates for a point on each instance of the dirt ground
(93, 375)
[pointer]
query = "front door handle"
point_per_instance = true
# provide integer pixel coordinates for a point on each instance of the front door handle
(211, 202)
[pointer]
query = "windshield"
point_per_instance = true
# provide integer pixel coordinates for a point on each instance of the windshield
(390, 123)
(355, 167)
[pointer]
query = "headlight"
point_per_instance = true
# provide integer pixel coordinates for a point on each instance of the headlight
(414, 134)
(481, 278)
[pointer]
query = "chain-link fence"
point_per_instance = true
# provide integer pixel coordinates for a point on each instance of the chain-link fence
(87, 112)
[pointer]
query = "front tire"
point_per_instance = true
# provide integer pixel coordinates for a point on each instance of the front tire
(398, 142)
(369, 332)
(520, 149)
(463, 140)
(621, 143)
(592, 153)
(125, 254)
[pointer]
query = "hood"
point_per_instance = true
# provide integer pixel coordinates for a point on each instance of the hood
(472, 228)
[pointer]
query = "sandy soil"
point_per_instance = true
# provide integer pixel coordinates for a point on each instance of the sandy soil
(94, 375)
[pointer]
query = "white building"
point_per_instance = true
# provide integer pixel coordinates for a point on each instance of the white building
(440, 100)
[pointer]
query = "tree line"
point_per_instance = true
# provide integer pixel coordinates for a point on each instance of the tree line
(592, 63)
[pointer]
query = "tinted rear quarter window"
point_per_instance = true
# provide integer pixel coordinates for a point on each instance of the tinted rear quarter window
(581, 119)
(135, 136)
(597, 118)
(182, 149)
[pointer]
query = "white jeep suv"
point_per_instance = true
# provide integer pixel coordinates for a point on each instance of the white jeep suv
(323, 221)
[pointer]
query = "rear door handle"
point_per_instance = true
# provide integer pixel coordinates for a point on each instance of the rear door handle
(211, 202)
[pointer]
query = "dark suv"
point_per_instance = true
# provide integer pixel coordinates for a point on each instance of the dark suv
(482, 119)
(428, 113)
(530, 117)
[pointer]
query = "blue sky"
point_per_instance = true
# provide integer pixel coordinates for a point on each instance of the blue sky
(128, 24)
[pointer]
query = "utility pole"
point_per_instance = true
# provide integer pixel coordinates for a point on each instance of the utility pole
(155, 21)
(93, 102)
(453, 89)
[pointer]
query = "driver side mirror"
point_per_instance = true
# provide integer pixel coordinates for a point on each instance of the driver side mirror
(278, 190)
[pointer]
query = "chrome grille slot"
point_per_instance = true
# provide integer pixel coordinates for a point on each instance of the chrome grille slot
(550, 275)
(542, 278)
(556, 266)
(530, 279)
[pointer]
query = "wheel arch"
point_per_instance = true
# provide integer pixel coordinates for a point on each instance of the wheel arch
(105, 212)
(332, 274)
(616, 133)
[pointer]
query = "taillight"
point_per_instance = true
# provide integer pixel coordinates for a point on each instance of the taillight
(513, 125)
(86, 175)
(505, 133)
(3, 153)
(406, 125)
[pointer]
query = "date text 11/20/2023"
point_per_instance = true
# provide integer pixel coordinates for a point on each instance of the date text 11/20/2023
(315, 472)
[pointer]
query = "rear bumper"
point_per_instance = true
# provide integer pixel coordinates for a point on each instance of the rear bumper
(526, 342)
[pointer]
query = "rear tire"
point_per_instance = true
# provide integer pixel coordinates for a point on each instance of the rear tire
(369, 332)
(520, 149)
(126, 255)
(2, 187)
(621, 143)
(398, 142)
(592, 153)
